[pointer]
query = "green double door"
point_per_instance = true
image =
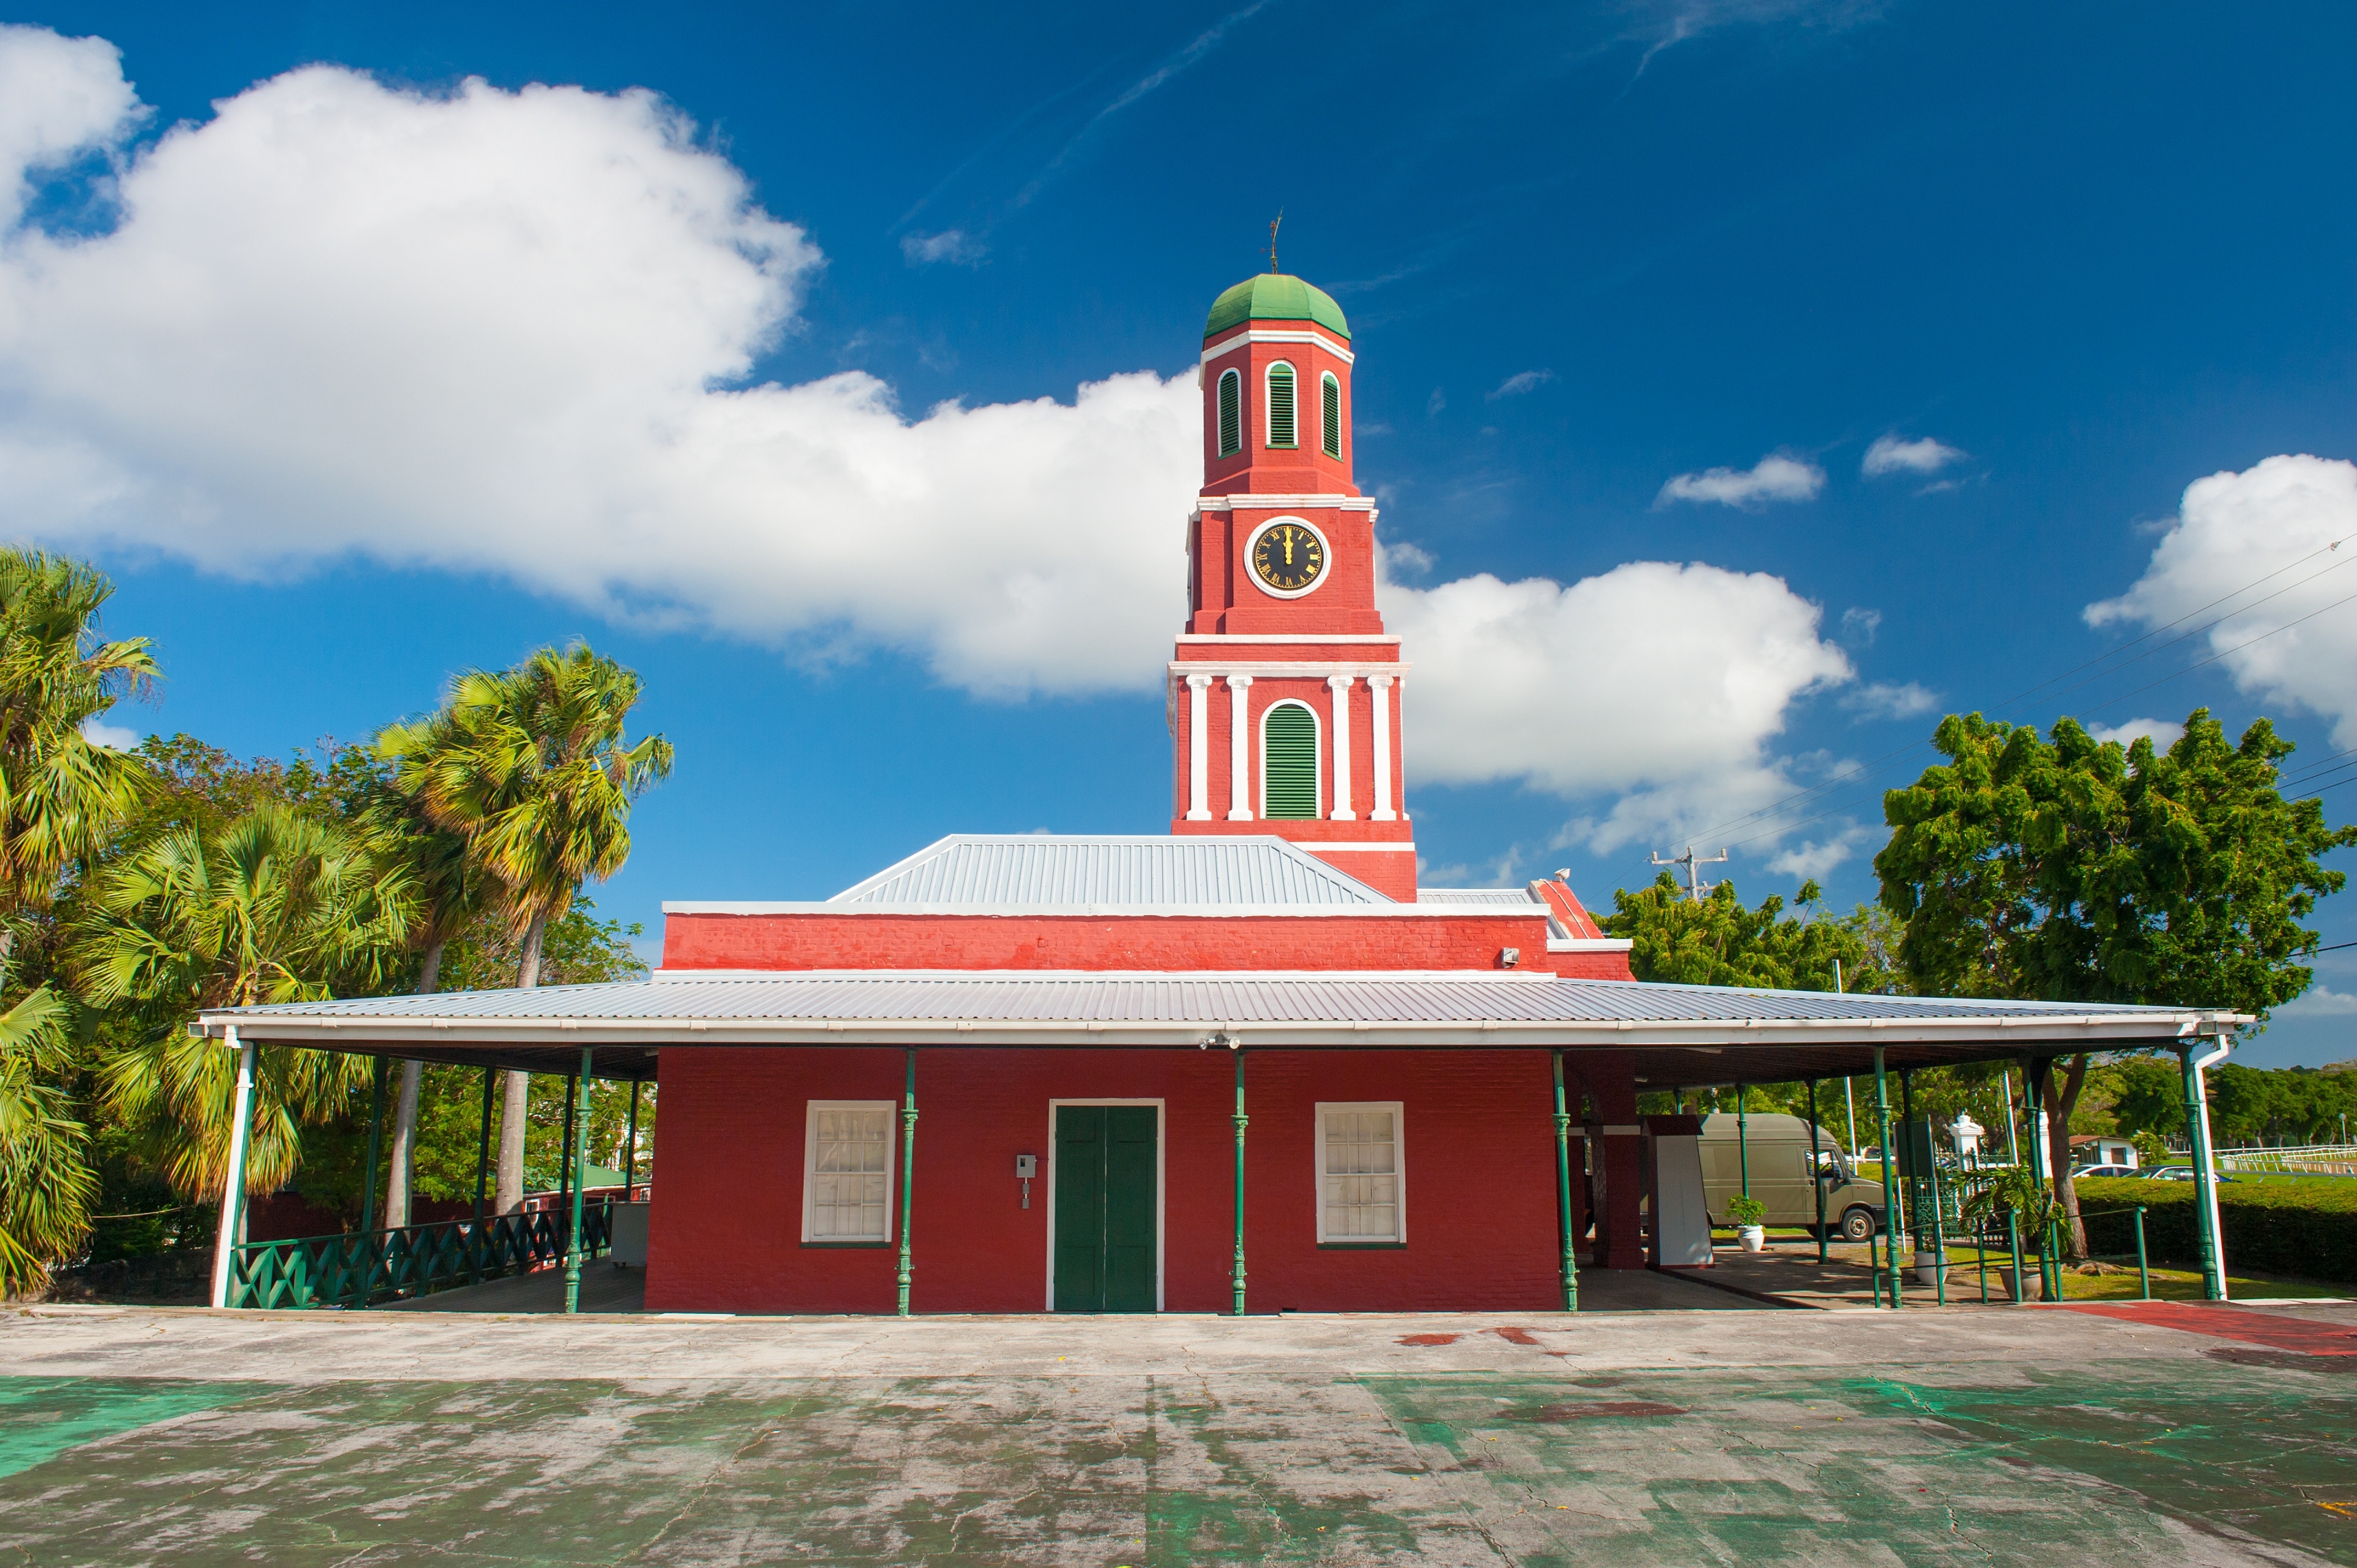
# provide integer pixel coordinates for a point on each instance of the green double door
(1106, 1204)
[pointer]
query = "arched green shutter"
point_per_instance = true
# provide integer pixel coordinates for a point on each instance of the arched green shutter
(1280, 406)
(1231, 414)
(1288, 760)
(1333, 432)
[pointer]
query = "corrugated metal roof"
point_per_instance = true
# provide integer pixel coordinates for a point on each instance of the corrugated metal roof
(1041, 870)
(1235, 999)
(1493, 898)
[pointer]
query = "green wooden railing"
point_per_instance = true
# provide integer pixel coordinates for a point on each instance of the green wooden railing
(360, 1267)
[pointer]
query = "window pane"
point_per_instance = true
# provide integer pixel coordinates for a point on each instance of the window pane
(1362, 1176)
(1232, 423)
(1280, 405)
(849, 1146)
(1333, 413)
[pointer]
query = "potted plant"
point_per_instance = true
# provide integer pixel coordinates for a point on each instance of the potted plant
(1748, 1212)
(2014, 1190)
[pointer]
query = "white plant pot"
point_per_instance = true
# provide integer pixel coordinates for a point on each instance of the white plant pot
(1928, 1269)
(1753, 1237)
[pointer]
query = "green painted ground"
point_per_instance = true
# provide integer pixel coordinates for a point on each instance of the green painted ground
(2249, 1455)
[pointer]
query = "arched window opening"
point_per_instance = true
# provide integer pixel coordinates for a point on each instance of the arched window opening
(1231, 414)
(1332, 432)
(1281, 423)
(1289, 762)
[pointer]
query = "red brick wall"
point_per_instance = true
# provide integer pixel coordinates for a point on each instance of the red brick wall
(1081, 942)
(1479, 1165)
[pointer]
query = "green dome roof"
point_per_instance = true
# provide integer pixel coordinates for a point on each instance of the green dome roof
(1275, 296)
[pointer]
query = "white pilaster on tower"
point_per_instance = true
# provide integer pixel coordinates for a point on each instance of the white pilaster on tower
(1380, 686)
(1240, 748)
(1198, 761)
(1340, 686)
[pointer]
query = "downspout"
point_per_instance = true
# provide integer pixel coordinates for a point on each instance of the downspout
(1890, 1177)
(577, 1120)
(1563, 1192)
(1242, 1121)
(234, 1185)
(908, 1179)
(2197, 1096)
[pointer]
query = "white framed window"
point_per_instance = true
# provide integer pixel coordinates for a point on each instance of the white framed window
(1362, 1173)
(1282, 425)
(1231, 414)
(847, 1171)
(1330, 411)
(1291, 761)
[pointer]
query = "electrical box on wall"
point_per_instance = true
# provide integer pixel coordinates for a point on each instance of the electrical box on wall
(1026, 1167)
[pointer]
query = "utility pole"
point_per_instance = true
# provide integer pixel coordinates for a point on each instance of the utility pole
(1695, 887)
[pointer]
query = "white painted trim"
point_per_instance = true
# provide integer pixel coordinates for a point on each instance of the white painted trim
(1198, 754)
(1589, 944)
(1399, 1173)
(1161, 1187)
(1248, 501)
(1316, 757)
(1319, 668)
(1389, 911)
(1340, 686)
(1325, 547)
(1276, 637)
(811, 1108)
(1408, 845)
(1379, 688)
(1240, 731)
(1229, 344)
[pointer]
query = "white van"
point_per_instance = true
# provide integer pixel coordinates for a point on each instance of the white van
(1777, 1146)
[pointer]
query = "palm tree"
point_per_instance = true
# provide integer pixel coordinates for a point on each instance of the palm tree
(61, 800)
(449, 893)
(276, 907)
(532, 766)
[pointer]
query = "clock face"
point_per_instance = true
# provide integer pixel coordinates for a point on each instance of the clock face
(1288, 557)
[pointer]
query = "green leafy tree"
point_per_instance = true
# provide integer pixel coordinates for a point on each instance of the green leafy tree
(1717, 941)
(533, 768)
(62, 800)
(2068, 869)
(274, 907)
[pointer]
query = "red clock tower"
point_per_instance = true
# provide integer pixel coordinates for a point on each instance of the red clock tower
(1284, 688)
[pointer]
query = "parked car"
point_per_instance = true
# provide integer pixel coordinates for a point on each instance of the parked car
(2174, 1172)
(1778, 1148)
(2112, 1171)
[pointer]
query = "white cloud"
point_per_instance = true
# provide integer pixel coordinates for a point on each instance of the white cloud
(1896, 455)
(1663, 683)
(2318, 1002)
(1812, 861)
(1885, 700)
(2163, 732)
(507, 332)
(1860, 625)
(2233, 529)
(1773, 479)
(1435, 403)
(1520, 382)
(58, 97)
(113, 737)
(954, 246)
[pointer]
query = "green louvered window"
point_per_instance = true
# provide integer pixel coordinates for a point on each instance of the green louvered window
(1280, 406)
(1289, 762)
(1231, 414)
(1333, 433)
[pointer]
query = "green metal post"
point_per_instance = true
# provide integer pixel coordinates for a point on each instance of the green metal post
(2144, 1268)
(476, 1245)
(1889, 1178)
(1743, 1137)
(630, 1146)
(1563, 1191)
(1816, 1171)
(2033, 1077)
(1939, 1227)
(576, 1123)
(565, 1174)
(1980, 1251)
(376, 1139)
(1873, 1267)
(1240, 1121)
(2013, 1236)
(908, 1179)
(2213, 1279)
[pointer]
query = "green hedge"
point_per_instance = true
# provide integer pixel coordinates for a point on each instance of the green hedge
(2307, 1229)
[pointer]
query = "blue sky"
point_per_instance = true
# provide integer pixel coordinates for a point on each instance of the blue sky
(364, 376)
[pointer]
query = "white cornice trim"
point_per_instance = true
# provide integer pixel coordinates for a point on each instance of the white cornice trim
(1589, 944)
(1253, 501)
(1257, 667)
(1138, 911)
(1310, 847)
(1336, 636)
(1228, 344)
